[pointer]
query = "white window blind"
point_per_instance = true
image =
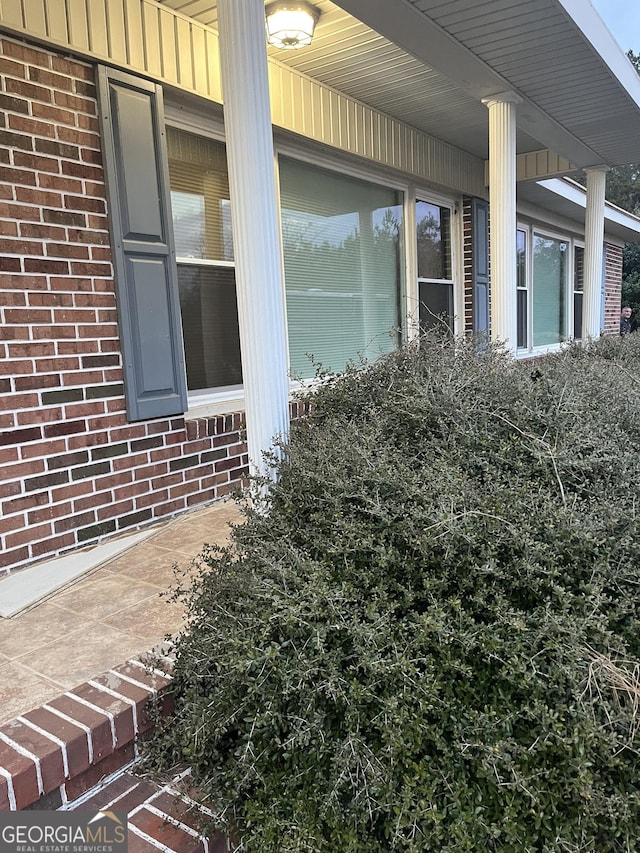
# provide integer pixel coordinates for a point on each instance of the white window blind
(343, 274)
(204, 247)
(549, 290)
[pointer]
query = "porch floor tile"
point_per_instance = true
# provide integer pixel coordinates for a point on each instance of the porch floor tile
(115, 612)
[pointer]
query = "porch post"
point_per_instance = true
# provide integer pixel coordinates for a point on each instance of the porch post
(256, 238)
(502, 216)
(593, 250)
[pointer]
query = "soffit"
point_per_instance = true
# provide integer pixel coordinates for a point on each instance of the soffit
(568, 199)
(428, 63)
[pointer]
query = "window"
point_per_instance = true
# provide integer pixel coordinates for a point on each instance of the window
(546, 314)
(549, 290)
(435, 283)
(204, 249)
(342, 244)
(522, 294)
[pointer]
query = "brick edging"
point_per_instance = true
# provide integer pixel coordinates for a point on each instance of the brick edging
(51, 755)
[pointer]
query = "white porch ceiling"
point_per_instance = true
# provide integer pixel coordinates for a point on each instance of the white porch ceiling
(428, 63)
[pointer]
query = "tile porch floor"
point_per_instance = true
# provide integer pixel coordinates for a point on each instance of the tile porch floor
(114, 613)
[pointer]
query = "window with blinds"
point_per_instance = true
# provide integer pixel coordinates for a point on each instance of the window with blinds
(435, 281)
(522, 291)
(204, 247)
(549, 290)
(342, 243)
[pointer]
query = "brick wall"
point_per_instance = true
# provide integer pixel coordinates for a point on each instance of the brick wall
(612, 288)
(72, 469)
(53, 754)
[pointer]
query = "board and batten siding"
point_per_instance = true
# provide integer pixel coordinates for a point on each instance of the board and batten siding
(145, 37)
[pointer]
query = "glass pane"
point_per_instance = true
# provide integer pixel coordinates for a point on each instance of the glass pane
(188, 223)
(577, 316)
(522, 318)
(342, 258)
(433, 233)
(210, 326)
(436, 306)
(521, 255)
(549, 286)
(199, 196)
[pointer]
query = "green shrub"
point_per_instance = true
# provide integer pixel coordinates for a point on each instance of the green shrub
(426, 642)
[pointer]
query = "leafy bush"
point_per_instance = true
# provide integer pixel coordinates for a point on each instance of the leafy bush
(426, 642)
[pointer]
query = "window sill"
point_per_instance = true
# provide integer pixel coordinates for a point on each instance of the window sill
(534, 352)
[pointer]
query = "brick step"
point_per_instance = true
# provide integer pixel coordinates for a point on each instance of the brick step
(80, 749)
(52, 755)
(161, 815)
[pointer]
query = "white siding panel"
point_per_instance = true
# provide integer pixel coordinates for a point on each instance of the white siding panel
(57, 21)
(213, 66)
(278, 115)
(379, 148)
(116, 35)
(352, 129)
(343, 124)
(402, 148)
(168, 46)
(11, 13)
(153, 46)
(35, 19)
(536, 165)
(135, 37)
(362, 130)
(200, 63)
(389, 141)
(306, 100)
(97, 21)
(297, 104)
(328, 116)
(78, 24)
(184, 53)
(312, 93)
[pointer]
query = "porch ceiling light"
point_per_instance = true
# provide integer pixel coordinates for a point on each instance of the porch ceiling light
(290, 25)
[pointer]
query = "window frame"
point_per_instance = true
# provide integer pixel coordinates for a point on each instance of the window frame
(218, 400)
(427, 196)
(204, 401)
(318, 157)
(360, 172)
(533, 230)
(526, 229)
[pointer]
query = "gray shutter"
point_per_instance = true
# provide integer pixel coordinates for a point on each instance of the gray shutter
(135, 163)
(480, 264)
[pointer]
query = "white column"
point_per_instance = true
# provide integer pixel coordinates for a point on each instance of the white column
(593, 248)
(254, 208)
(502, 216)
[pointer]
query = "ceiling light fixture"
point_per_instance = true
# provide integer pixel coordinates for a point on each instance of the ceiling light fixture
(290, 25)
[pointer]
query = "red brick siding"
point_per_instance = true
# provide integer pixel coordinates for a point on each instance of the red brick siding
(612, 288)
(53, 754)
(72, 469)
(74, 751)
